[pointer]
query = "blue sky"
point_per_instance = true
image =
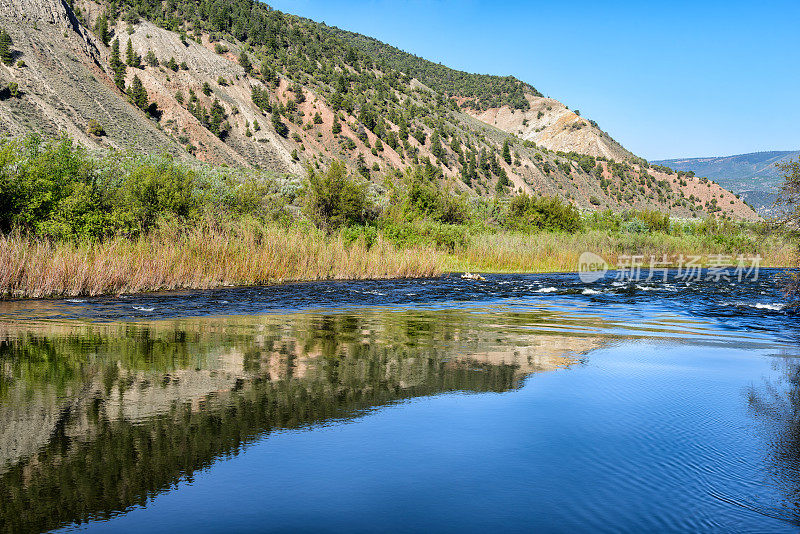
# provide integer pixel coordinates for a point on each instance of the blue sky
(666, 79)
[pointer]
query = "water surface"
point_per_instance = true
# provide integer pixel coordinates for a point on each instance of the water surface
(522, 402)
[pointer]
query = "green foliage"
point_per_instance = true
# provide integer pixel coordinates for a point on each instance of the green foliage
(138, 94)
(336, 200)
(95, 128)
(526, 214)
(132, 59)
(280, 128)
(789, 195)
(244, 62)
(506, 152)
(654, 221)
(6, 53)
(55, 190)
(481, 91)
(47, 189)
(260, 98)
(101, 27)
(406, 234)
(117, 66)
(216, 121)
(634, 221)
(151, 59)
(436, 146)
(425, 199)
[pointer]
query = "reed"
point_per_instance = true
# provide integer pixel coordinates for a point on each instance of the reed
(242, 253)
(200, 259)
(560, 252)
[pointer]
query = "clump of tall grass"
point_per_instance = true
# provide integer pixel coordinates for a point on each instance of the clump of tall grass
(204, 257)
(560, 251)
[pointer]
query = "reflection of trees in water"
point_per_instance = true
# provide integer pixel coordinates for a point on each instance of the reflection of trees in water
(776, 406)
(131, 409)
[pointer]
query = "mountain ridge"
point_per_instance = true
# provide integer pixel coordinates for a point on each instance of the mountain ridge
(753, 175)
(296, 93)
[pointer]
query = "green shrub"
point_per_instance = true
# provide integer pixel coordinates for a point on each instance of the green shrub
(425, 233)
(426, 199)
(159, 188)
(526, 213)
(336, 200)
(6, 53)
(95, 128)
(48, 189)
(365, 234)
(634, 226)
(56, 190)
(654, 221)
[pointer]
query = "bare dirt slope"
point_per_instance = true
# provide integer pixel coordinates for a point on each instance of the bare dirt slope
(63, 83)
(550, 124)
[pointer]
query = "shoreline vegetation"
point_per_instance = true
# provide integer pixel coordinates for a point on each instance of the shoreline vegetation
(73, 224)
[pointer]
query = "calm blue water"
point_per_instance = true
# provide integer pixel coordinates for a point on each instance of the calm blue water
(523, 402)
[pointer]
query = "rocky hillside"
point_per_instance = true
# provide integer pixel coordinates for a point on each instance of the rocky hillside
(754, 176)
(550, 124)
(238, 83)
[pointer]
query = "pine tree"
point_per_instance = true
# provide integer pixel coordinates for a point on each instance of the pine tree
(436, 146)
(138, 94)
(117, 65)
(132, 58)
(280, 128)
(101, 27)
(114, 61)
(6, 54)
(506, 152)
(216, 118)
(267, 74)
(244, 62)
(151, 59)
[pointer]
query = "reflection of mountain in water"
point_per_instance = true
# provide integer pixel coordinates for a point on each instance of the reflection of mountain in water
(99, 418)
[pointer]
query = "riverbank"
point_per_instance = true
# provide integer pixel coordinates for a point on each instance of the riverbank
(207, 258)
(72, 224)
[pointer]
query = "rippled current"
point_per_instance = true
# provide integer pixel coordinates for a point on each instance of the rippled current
(518, 403)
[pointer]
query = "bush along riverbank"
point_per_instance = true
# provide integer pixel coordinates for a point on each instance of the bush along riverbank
(73, 224)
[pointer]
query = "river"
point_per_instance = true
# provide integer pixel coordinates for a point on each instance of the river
(522, 402)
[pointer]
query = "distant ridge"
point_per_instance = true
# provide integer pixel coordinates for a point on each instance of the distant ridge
(754, 176)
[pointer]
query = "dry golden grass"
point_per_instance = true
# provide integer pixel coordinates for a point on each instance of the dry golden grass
(209, 257)
(558, 252)
(202, 259)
